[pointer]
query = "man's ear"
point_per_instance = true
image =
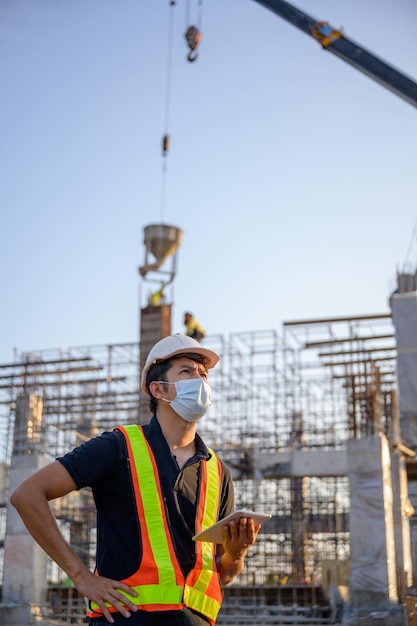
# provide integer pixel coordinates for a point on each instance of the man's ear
(156, 389)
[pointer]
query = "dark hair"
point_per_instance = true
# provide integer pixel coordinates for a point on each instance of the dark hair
(159, 370)
(156, 372)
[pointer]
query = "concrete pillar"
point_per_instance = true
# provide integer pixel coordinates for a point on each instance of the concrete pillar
(28, 424)
(404, 313)
(155, 324)
(402, 511)
(25, 563)
(373, 582)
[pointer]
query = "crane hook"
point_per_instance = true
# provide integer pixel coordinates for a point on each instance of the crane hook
(193, 38)
(192, 56)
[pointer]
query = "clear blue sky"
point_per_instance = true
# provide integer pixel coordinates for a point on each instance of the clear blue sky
(292, 174)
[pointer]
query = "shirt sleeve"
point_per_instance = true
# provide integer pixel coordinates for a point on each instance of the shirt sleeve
(93, 461)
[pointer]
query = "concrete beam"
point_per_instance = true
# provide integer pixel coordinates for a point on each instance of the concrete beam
(300, 463)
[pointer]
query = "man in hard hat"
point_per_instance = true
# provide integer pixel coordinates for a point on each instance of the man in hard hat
(193, 328)
(155, 487)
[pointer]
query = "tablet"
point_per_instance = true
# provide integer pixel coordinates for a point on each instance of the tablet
(214, 533)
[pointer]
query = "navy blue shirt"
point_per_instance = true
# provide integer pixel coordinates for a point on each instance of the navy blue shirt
(102, 464)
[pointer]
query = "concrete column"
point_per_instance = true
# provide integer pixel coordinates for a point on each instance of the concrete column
(404, 313)
(372, 583)
(25, 563)
(402, 511)
(155, 324)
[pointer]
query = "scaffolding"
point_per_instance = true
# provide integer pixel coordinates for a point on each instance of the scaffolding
(320, 383)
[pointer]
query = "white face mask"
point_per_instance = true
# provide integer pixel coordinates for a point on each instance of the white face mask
(192, 399)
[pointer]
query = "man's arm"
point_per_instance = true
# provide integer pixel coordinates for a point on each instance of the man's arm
(31, 499)
(237, 539)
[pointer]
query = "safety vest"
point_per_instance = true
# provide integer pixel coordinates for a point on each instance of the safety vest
(159, 581)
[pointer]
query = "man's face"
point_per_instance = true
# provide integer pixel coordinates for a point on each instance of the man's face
(183, 368)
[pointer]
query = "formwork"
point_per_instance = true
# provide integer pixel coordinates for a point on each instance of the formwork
(310, 387)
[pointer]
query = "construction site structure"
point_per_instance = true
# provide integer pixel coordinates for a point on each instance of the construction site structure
(318, 423)
(309, 420)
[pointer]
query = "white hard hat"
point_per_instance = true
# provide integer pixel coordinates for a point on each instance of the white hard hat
(172, 346)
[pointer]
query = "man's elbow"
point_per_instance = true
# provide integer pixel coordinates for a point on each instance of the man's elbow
(24, 496)
(18, 497)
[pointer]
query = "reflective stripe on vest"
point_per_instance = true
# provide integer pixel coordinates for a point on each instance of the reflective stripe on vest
(197, 591)
(159, 581)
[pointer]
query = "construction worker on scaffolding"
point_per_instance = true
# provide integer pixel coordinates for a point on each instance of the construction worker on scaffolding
(193, 327)
(157, 297)
(155, 486)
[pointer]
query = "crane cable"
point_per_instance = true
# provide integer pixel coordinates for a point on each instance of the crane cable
(166, 138)
(193, 37)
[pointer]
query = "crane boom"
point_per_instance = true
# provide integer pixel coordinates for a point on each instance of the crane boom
(333, 40)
